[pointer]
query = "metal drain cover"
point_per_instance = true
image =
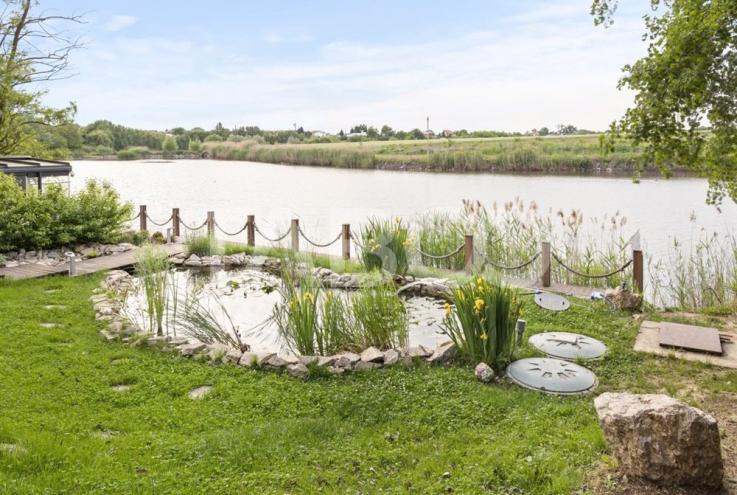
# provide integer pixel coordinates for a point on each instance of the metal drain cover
(553, 376)
(553, 302)
(570, 346)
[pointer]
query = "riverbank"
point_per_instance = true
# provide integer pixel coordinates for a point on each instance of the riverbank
(559, 155)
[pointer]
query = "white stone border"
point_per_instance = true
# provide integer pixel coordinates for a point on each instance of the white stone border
(107, 302)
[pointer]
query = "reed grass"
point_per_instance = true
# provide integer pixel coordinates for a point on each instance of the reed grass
(481, 322)
(152, 266)
(210, 326)
(202, 245)
(380, 318)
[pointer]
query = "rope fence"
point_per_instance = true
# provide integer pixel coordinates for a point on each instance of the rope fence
(466, 250)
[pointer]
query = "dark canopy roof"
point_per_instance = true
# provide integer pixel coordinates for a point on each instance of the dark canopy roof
(26, 165)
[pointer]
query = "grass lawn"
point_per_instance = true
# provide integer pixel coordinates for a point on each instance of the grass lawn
(65, 429)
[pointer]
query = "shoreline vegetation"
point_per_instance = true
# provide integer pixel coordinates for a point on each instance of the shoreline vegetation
(578, 154)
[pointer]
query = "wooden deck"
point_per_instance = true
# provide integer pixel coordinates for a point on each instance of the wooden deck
(85, 267)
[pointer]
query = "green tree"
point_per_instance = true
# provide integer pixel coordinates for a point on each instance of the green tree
(32, 51)
(685, 109)
(195, 146)
(544, 131)
(169, 145)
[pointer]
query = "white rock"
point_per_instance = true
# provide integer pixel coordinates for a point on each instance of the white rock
(484, 373)
(391, 357)
(444, 353)
(200, 392)
(372, 355)
(661, 439)
(298, 370)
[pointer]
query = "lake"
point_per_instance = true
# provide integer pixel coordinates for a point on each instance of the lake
(325, 198)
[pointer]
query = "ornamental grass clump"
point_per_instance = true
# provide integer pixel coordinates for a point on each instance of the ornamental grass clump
(202, 245)
(385, 245)
(380, 318)
(296, 316)
(152, 265)
(481, 323)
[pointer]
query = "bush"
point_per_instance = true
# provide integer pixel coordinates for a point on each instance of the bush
(482, 322)
(52, 218)
(384, 245)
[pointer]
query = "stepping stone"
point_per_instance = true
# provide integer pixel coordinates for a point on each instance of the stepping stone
(200, 392)
(104, 434)
(553, 376)
(51, 291)
(12, 449)
(49, 325)
(52, 307)
(568, 346)
(122, 388)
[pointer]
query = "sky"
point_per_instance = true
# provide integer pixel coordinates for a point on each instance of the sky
(327, 65)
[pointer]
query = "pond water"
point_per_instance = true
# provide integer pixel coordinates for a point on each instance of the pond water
(244, 299)
(325, 198)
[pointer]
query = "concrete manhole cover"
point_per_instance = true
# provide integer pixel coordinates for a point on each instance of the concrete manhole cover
(552, 302)
(553, 376)
(570, 346)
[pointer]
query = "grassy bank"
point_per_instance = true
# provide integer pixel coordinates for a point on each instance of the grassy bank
(65, 429)
(558, 154)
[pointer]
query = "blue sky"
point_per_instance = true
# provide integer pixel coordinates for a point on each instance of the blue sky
(330, 64)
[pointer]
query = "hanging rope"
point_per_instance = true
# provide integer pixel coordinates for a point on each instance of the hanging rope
(440, 256)
(188, 227)
(588, 275)
(281, 238)
(138, 215)
(317, 244)
(165, 222)
(229, 233)
(499, 266)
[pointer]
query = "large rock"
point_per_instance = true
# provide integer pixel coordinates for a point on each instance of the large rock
(661, 439)
(372, 355)
(623, 298)
(444, 353)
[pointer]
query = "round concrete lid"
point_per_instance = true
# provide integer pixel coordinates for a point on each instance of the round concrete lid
(553, 302)
(553, 376)
(570, 346)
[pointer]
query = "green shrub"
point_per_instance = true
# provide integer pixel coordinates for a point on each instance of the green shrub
(202, 245)
(52, 218)
(158, 238)
(384, 245)
(482, 322)
(230, 248)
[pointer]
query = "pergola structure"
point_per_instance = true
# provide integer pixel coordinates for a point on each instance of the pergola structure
(32, 172)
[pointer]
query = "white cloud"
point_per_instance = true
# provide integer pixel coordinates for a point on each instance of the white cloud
(544, 71)
(120, 22)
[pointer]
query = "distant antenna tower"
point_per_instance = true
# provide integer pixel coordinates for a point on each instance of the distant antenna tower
(428, 122)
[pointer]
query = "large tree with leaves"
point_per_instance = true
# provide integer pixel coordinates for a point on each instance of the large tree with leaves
(34, 49)
(685, 108)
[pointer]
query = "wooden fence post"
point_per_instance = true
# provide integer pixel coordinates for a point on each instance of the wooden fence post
(175, 221)
(142, 217)
(295, 234)
(468, 253)
(546, 264)
(251, 230)
(210, 223)
(638, 270)
(346, 241)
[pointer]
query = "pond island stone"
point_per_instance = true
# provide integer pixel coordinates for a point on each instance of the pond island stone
(659, 438)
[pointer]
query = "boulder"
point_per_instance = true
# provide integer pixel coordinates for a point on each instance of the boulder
(418, 352)
(274, 362)
(391, 357)
(372, 355)
(366, 365)
(298, 370)
(326, 360)
(191, 349)
(623, 298)
(484, 373)
(444, 353)
(248, 359)
(659, 438)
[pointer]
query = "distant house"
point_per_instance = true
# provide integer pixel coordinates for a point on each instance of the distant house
(447, 133)
(429, 133)
(319, 134)
(356, 134)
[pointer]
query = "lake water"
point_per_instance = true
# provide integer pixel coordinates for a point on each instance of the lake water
(325, 198)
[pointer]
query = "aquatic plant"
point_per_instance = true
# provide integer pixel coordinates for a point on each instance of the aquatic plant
(210, 326)
(385, 244)
(481, 321)
(202, 245)
(152, 266)
(296, 315)
(380, 318)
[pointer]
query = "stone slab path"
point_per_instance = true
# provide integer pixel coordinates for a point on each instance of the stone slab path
(85, 267)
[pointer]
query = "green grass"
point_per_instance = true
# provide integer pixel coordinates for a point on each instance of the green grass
(386, 431)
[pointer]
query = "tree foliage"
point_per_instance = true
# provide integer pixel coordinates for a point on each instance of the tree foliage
(685, 109)
(33, 51)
